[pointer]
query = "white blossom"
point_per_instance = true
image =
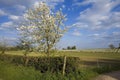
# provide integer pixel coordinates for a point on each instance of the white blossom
(43, 26)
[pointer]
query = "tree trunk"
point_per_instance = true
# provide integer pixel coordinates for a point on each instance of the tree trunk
(48, 52)
(26, 58)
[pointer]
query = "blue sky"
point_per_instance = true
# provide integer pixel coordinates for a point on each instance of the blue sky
(93, 23)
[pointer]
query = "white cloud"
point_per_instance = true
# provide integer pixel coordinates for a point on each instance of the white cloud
(107, 37)
(76, 3)
(63, 6)
(7, 24)
(96, 34)
(76, 33)
(116, 35)
(36, 4)
(20, 7)
(2, 13)
(14, 17)
(51, 3)
(100, 15)
(10, 3)
(12, 39)
(80, 25)
(27, 3)
(1, 28)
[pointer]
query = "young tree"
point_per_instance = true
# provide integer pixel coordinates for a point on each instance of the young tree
(43, 27)
(3, 45)
(24, 44)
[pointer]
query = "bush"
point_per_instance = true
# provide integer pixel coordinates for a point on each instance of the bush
(44, 64)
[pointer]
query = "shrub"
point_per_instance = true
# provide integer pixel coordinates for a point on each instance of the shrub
(43, 64)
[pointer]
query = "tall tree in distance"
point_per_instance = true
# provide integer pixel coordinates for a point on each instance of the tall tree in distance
(43, 27)
(111, 46)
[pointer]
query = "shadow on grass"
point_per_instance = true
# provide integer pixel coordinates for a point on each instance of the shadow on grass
(103, 65)
(109, 67)
(101, 62)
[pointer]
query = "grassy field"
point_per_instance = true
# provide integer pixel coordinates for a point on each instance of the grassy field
(81, 54)
(9, 71)
(86, 57)
(97, 62)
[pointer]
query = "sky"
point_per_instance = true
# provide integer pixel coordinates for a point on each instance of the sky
(92, 23)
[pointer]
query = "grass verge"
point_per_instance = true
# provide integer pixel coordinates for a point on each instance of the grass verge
(9, 71)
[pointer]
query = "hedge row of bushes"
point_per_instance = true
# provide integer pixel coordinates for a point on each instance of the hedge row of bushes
(43, 64)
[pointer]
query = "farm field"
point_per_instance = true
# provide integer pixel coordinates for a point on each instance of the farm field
(92, 62)
(81, 54)
(86, 57)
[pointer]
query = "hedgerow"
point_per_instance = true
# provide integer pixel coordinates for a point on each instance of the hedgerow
(44, 64)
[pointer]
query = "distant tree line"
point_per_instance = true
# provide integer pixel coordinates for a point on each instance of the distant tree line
(70, 48)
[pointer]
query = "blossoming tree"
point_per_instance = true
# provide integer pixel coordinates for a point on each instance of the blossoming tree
(43, 27)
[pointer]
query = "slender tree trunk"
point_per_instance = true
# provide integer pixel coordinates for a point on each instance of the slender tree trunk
(26, 58)
(47, 42)
(48, 54)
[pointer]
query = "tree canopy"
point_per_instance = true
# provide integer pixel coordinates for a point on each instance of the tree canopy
(42, 27)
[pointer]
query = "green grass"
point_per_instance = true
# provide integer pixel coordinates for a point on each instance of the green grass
(85, 56)
(82, 54)
(95, 55)
(12, 72)
(9, 71)
(91, 57)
